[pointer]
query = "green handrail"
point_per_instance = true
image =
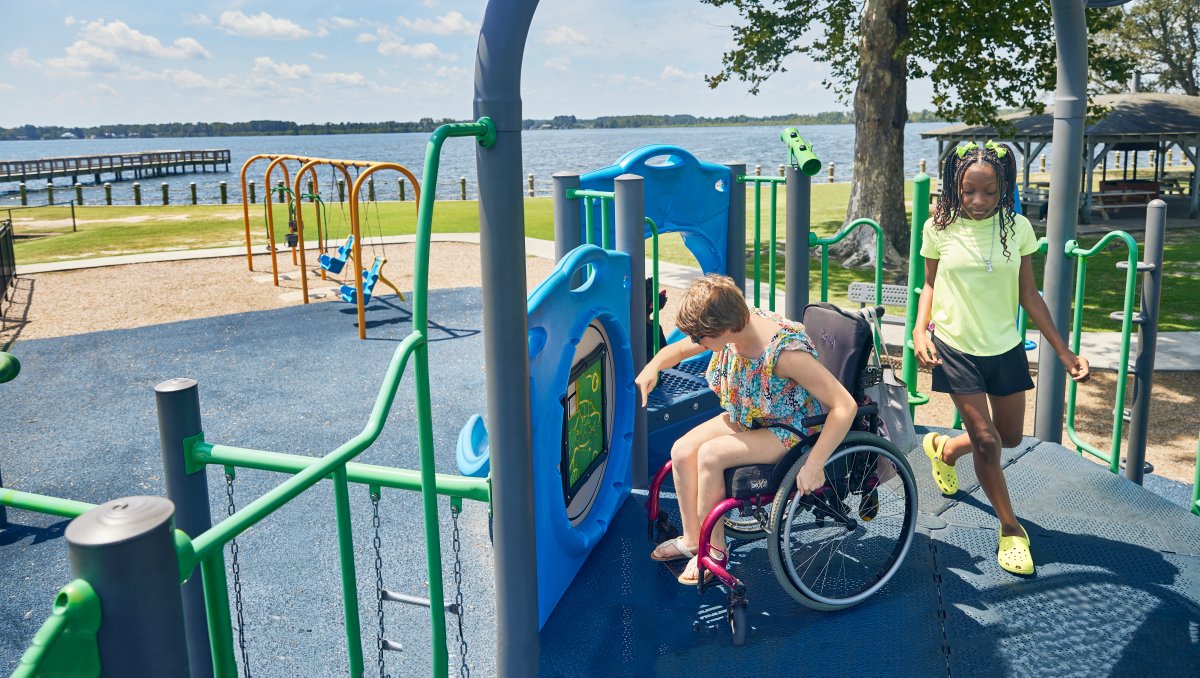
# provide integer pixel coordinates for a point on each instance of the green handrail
(916, 283)
(825, 243)
(66, 645)
(40, 503)
(591, 198)
(654, 278)
(1073, 249)
(1196, 484)
(758, 181)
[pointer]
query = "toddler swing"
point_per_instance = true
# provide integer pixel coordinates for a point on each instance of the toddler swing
(372, 276)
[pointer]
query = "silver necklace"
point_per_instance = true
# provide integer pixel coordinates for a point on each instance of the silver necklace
(987, 263)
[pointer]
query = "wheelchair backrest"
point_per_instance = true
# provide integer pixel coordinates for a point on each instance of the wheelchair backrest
(843, 341)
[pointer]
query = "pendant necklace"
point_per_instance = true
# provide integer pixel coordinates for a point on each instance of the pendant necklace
(987, 263)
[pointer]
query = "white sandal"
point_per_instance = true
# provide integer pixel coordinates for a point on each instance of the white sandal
(681, 551)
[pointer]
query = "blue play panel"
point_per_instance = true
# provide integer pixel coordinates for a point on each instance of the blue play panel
(1117, 590)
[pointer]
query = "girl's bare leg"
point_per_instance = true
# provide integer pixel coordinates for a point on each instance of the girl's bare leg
(684, 471)
(986, 442)
(714, 456)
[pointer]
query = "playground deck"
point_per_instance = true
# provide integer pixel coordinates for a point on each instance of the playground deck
(1117, 590)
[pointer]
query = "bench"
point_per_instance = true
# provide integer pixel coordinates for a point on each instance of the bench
(864, 293)
(1115, 200)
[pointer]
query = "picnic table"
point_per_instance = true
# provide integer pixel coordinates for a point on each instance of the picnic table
(1114, 200)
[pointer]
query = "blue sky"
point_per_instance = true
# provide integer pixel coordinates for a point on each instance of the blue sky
(77, 63)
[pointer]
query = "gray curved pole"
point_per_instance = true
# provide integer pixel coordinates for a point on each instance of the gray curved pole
(505, 329)
(1062, 213)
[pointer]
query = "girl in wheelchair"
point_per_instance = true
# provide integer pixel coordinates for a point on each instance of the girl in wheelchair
(764, 370)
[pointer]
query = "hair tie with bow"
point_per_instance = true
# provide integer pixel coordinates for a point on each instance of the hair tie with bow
(966, 148)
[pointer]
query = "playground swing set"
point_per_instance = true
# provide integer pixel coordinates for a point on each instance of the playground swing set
(359, 289)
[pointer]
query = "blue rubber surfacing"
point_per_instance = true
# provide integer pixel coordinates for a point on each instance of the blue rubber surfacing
(1117, 590)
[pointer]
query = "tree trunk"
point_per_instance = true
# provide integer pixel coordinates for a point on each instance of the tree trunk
(880, 110)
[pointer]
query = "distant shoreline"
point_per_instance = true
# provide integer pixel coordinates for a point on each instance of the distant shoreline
(254, 128)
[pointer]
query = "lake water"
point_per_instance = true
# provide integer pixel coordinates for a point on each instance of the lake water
(545, 152)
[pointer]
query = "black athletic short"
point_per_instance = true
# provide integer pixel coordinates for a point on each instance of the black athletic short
(997, 375)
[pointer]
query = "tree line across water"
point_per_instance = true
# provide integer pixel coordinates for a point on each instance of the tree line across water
(424, 125)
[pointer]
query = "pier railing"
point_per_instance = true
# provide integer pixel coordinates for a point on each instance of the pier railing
(137, 165)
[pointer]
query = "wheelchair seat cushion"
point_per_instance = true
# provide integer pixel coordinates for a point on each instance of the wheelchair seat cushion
(749, 481)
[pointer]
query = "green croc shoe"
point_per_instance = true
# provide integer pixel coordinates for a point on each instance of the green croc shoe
(943, 474)
(1013, 554)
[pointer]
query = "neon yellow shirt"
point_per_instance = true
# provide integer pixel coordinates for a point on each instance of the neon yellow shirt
(974, 308)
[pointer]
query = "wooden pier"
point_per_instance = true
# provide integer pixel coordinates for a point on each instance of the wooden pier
(119, 166)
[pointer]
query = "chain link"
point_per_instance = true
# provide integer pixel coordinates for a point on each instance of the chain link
(463, 669)
(237, 582)
(378, 543)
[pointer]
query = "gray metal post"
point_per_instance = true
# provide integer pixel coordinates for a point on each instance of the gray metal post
(125, 549)
(1070, 105)
(505, 326)
(795, 256)
(630, 208)
(735, 247)
(178, 404)
(1143, 384)
(568, 217)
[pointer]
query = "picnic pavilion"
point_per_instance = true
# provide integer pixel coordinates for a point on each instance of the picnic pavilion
(1138, 126)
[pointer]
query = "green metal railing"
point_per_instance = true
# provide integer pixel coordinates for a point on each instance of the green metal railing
(1073, 249)
(66, 645)
(774, 183)
(206, 549)
(826, 243)
(654, 281)
(1196, 484)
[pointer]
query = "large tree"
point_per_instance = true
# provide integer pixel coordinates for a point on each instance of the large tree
(982, 56)
(1162, 38)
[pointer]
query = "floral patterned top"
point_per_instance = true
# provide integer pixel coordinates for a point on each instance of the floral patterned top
(753, 395)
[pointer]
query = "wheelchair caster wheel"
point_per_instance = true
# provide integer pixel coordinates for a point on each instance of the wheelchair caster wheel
(738, 626)
(869, 508)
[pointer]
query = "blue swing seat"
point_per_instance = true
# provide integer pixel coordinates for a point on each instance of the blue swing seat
(335, 263)
(349, 294)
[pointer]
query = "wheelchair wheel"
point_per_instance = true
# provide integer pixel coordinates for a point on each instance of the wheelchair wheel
(735, 614)
(835, 547)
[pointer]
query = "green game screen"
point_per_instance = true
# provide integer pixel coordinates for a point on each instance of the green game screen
(583, 447)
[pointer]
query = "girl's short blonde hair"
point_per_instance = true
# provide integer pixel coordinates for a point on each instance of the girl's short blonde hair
(711, 306)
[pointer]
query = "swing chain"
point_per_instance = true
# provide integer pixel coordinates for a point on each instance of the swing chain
(463, 670)
(237, 580)
(378, 543)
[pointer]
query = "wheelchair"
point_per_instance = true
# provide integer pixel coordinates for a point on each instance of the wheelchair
(837, 546)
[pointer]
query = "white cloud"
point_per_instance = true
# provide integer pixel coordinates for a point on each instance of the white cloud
(197, 20)
(559, 64)
(319, 56)
(261, 25)
(365, 38)
(565, 35)
(673, 74)
(83, 57)
(343, 22)
(186, 79)
(342, 79)
(102, 89)
(70, 20)
(5, 87)
(267, 66)
(450, 72)
(20, 57)
(451, 23)
(391, 44)
(119, 36)
(430, 3)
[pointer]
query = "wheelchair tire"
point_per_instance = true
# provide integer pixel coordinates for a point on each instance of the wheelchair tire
(836, 547)
(738, 626)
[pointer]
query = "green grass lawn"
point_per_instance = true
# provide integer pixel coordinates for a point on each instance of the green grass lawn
(45, 235)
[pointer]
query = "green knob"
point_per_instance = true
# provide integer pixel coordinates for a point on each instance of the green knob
(10, 367)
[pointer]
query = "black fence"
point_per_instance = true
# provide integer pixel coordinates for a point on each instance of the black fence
(8, 266)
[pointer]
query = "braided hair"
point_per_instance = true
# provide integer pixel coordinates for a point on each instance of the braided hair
(949, 203)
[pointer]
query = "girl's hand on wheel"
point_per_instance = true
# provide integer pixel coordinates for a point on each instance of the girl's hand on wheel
(810, 478)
